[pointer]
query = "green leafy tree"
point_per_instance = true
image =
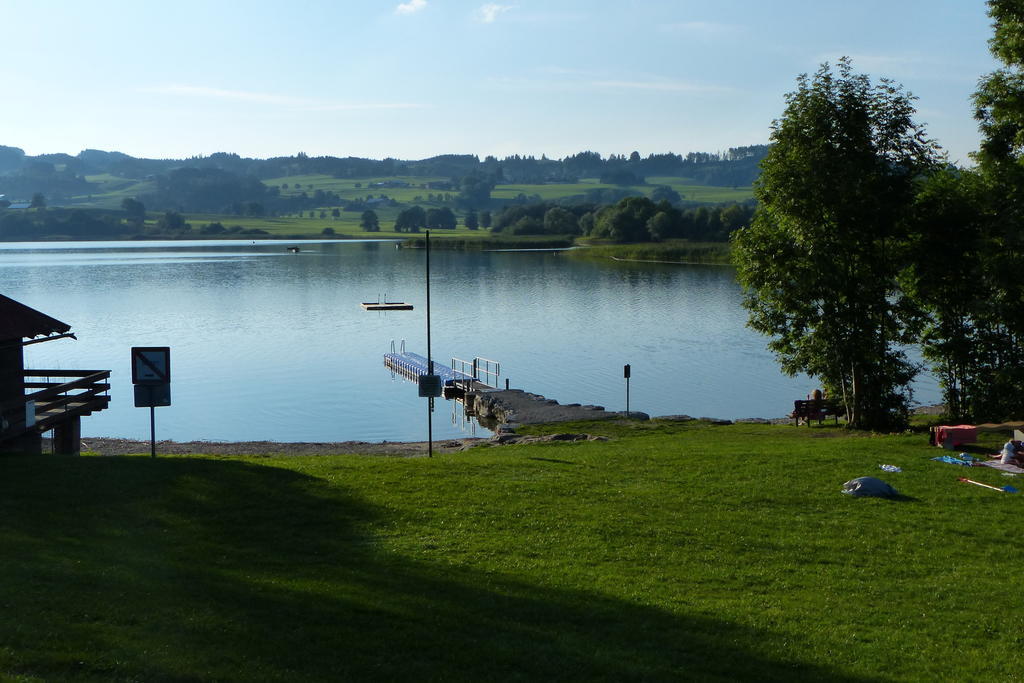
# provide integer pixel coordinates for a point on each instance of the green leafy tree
(485, 219)
(135, 211)
(586, 223)
(38, 201)
(471, 220)
(528, 225)
(559, 221)
(979, 351)
(947, 281)
(665, 193)
(626, 221)
(663, 225)
(442, 218)
(411, 219)
(369, 221)
(172, 222)
(734, 217)
(475, 191)
(819, 263)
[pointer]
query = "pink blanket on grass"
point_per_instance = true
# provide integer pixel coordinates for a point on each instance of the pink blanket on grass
(995, 464)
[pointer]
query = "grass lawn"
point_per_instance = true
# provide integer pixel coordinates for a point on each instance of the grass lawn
(346, 225)
(670, 552)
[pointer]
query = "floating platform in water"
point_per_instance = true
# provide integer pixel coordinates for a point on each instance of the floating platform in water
(386, 306)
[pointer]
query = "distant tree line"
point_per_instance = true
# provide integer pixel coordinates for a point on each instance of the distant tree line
(60, 223)
(632, 219)
(41, 224)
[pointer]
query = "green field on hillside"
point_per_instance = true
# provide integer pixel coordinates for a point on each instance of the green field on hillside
(684, 186)
(704, 193)
(111, 190)
(346, 188)
(671, 552)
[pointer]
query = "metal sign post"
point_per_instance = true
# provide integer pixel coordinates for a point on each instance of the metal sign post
(626, 373)
(430, 367)
(151, 375)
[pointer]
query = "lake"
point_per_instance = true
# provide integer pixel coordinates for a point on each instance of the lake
(269, 344)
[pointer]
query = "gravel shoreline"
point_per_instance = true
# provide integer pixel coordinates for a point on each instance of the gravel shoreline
(111, 446)
(108, 446)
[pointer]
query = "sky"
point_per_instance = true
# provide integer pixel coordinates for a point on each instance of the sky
(417, 78)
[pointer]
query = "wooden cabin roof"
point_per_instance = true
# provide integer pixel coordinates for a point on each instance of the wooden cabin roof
(18, 321)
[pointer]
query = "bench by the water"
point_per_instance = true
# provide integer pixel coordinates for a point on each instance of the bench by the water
(814, 409)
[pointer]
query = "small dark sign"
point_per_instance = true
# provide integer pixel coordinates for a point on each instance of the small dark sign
(625, 371)
(152, 395)
(430, 386)
(151, 364)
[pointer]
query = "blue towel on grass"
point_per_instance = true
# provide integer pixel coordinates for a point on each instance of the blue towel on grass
(964, 459)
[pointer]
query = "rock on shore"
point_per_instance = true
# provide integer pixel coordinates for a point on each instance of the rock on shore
(513, 407)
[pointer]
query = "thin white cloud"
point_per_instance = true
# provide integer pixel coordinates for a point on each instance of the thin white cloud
(555, 70)
(489, 13)
(199, 91)
(702, 29)
(220, 94)
(410, 7)
(580, 81)
(662, 86)
(353, 106)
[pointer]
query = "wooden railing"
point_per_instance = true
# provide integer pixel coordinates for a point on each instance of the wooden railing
(81, 393)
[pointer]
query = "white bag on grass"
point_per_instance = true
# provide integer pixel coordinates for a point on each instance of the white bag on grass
(869, 486)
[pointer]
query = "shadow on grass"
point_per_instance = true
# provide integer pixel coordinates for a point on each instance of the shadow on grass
(901, 498)
(192, 569)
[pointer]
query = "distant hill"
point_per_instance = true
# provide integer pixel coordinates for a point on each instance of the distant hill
(207, 183)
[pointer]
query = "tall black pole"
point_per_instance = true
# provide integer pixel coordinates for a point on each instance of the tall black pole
(152, 427)
(430, 364)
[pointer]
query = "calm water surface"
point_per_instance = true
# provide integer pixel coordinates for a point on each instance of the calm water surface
(267, 344)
